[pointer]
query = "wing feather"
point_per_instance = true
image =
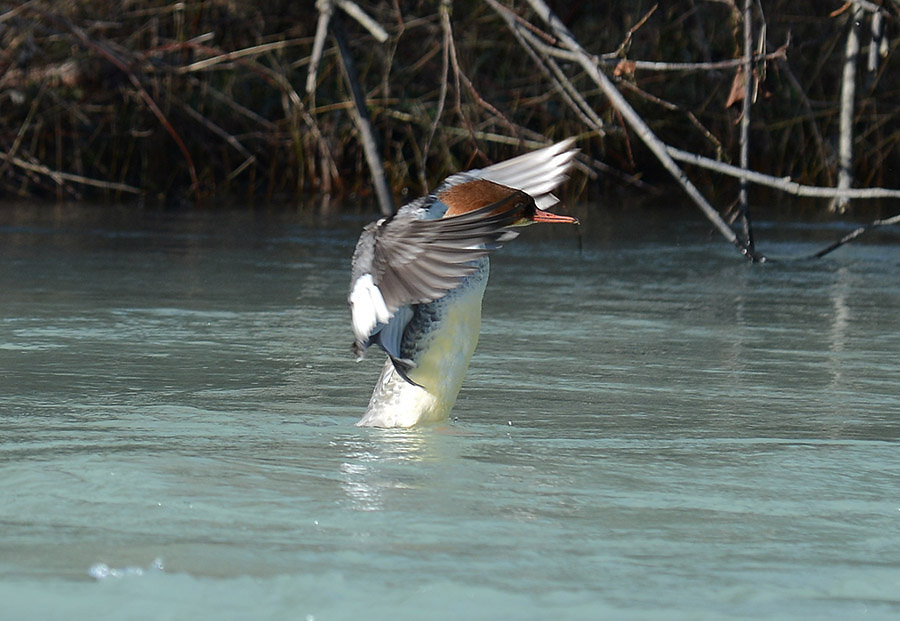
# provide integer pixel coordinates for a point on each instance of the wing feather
(412, 261)
(409, 259)
(536, 173)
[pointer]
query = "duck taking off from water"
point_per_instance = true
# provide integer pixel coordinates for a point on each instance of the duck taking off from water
(419, 276)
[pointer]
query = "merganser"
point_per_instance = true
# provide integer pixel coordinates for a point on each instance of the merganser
(418, 279)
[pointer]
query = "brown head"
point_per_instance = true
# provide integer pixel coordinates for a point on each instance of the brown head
(472, 195)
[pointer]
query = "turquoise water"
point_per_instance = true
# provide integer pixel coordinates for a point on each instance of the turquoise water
(650, 428)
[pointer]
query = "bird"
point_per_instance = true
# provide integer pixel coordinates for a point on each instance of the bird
(419, 275)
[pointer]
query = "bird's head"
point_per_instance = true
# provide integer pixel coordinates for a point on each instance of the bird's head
(480, 193)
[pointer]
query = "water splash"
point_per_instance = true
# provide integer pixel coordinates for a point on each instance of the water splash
(102, 571)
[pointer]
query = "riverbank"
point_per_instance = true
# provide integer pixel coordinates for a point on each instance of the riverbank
(198, 102)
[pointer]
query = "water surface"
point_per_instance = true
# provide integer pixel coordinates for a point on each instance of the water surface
(650, 428)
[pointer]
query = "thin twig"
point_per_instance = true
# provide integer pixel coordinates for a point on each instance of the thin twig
(626, 42)
(15, 11)
(174, 46)
(23, 128)
(649, 65)
(221, 133)
(552, 70)
(824, 155)
(294, 105)
(668, 105)
(447, 41)
(461, 77)
(255, 50)
(231, 103)
(59, 177)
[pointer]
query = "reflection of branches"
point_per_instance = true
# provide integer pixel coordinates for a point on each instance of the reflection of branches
(856, 233)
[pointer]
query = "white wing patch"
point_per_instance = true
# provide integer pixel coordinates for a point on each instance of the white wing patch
(367, 307)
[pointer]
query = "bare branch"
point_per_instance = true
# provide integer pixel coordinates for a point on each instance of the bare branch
(255, 50)
(589, 64)
(15, 11)
(326, 10)
(743, 195)
(221, 133)
(361, 119)
(352, 9)
(848, 93)
(550, 69)
(446, 45)
(626, 43)
(59, 176)
(780, 183)
(648, 65)
(824, 152)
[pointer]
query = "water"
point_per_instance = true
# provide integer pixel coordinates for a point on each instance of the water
(650, 428)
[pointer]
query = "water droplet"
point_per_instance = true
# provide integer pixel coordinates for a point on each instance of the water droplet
(100, 571)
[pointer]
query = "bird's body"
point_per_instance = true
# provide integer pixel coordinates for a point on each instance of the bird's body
(443, 335)
(419, 277)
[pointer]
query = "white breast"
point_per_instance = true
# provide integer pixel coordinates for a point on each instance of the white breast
(445, 350)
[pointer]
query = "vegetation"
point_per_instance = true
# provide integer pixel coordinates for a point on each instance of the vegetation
(204, 101)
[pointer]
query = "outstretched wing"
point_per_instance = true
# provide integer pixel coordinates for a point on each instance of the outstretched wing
(536, 173)
(403, 260)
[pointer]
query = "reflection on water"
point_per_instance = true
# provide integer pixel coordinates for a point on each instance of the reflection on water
(391, 461)
(840, 321)
(361, 477)
(650, 428)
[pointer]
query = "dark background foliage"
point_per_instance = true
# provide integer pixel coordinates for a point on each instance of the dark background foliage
(79, 82)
